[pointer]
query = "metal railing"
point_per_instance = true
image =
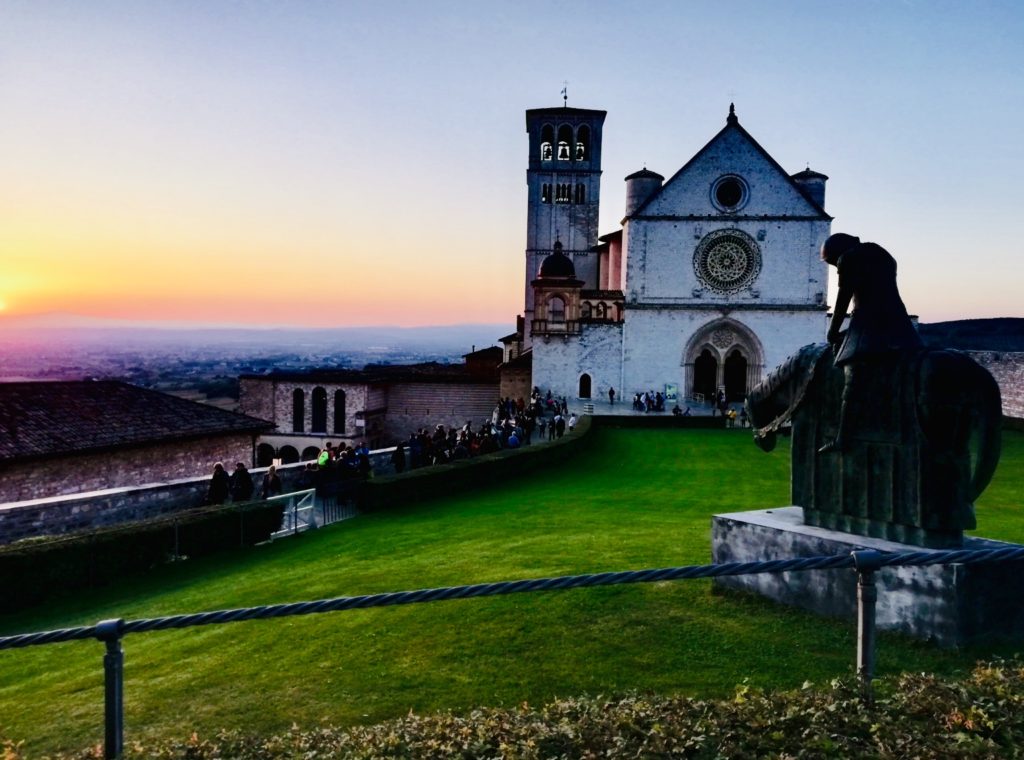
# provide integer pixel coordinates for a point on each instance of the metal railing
(866, 563)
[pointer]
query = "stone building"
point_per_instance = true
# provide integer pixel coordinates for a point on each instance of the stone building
(713, 278)
(59, 438)
(379, 405)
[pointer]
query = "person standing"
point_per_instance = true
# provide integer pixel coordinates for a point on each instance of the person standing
(611, 396)
(220, 485)
(271, 484)
(241, 484)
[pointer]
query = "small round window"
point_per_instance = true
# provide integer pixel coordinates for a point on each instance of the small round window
(729, 193)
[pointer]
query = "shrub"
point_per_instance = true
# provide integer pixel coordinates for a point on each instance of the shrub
(980, 715)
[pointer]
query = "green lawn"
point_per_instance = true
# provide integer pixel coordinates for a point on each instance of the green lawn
(641, 498)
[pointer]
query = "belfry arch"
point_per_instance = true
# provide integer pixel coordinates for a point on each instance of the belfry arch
(731, 351)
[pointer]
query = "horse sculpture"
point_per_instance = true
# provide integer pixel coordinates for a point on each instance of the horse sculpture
(924, 444)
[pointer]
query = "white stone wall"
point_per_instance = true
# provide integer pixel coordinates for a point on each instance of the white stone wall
(559, 362)
(656, 340)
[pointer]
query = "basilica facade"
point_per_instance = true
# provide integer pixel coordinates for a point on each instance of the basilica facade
(712, 280)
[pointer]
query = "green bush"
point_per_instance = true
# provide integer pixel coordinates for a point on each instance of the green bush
(978, 716)
(37, 569)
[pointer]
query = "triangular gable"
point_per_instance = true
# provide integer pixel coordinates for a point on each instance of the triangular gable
(732, 151)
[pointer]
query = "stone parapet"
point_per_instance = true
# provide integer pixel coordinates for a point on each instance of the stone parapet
(953, 605)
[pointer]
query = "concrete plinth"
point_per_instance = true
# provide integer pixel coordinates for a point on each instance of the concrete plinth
(952, 605)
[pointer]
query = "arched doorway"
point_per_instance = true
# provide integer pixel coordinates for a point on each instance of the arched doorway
(310, 453)
(735, 376)
(584, 385)
(705, 374)
(288, 455)
(264, 455)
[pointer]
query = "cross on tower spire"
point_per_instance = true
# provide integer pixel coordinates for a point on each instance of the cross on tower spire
(565, 93)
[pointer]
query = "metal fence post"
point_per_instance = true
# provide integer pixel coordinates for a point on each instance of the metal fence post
(110, 632)
(866, 562)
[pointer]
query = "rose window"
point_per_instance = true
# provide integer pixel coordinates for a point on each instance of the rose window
(727, 261)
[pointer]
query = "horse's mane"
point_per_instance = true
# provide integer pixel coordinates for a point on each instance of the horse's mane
(787, 383)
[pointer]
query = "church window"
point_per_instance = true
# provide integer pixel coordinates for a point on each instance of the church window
(581, 194)
(547, 139)
(583, 143)
(319, 412)
(339, 411)
(564, 142)
(556, 309)
(298, 410)
(545, 193)
(726, 261)
(729, 193)
(562, 193)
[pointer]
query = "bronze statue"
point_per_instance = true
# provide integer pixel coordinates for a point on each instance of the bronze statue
(880, 330)
(901, 433)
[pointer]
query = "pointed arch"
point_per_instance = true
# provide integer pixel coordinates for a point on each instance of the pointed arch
(722, 338)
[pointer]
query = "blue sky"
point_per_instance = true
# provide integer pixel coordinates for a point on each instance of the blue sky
(364, 162)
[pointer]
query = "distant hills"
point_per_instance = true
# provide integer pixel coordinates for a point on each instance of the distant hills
(68, 328)
(996, 334)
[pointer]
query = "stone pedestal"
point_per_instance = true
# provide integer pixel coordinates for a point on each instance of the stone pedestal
(952, 605)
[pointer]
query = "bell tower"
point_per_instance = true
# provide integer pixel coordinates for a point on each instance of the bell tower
(563, 180)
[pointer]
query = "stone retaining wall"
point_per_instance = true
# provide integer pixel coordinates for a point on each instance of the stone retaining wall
(1008, 370)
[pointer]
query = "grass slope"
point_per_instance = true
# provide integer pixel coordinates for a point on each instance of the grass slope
(642, 499)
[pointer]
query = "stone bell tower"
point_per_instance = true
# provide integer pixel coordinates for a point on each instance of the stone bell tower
(563, 179)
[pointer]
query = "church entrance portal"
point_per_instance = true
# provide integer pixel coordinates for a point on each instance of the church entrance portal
(735, 376)
(705, 375)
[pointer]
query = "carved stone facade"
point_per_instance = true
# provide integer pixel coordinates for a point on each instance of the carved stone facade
(714, 278)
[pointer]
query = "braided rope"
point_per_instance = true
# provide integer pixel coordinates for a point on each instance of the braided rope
(963, 556)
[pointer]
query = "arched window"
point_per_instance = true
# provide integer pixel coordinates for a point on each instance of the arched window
(298, 410)
(556, 309)
(562, 193)
(547, 141)
(705, 374)
(339, 411)
(310, 453)
(585, 310)
(581, 193)
(264, 455)
(545, 193)
(584, 385)
(583, 143)
(735, 376)
(564, 142)
(602, 310)
(288, 455)
(319, 421)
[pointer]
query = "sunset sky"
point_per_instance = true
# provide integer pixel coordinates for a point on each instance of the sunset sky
(363, 163)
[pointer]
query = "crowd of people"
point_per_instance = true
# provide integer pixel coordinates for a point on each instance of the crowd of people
(239, 486)
(513, 424)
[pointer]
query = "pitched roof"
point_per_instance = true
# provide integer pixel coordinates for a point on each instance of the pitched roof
(733, 123)
(42, 419)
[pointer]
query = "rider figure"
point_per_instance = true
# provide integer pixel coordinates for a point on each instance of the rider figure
(879, 329)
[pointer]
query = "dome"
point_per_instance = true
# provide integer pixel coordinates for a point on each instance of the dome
(557, 264)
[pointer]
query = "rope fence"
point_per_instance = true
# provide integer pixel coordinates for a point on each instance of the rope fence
(866, 563)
